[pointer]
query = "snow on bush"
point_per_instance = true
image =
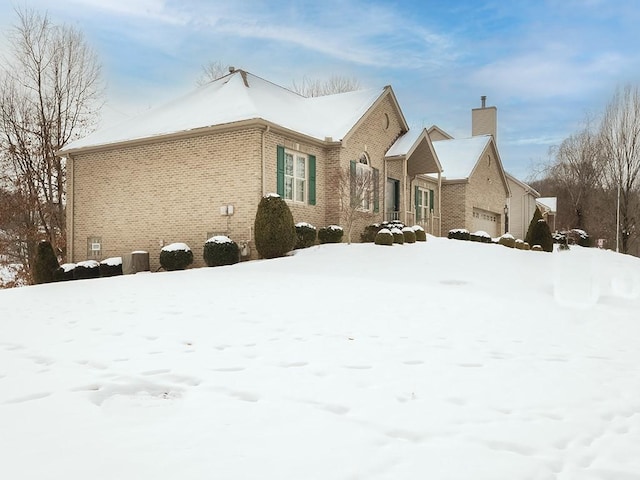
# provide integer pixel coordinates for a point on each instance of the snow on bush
(176, 256)
(409, 235)
(111, 267)
(384, 237)
(220, 250)
(86, 269)
(330, 234)
(459, 234)
(306, 235)
(398, 236)
(421, 235)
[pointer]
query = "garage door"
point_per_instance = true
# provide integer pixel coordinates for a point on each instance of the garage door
(486, 221)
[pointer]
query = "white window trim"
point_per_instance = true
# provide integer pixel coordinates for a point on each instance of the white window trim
(425, 207)
(295, 155)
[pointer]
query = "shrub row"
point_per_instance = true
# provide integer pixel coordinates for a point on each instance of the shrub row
(394, 235)
(88, 269)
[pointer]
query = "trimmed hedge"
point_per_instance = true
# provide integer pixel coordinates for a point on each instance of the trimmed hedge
(507, 240)
(421, 235)
(370, 232)
(409, 235)
(306, 235)
(111, 267)
(176, 256)
(398, 236)
(64, 273)
(220, 250)
(330, 234)
(87, 269)
(274, 230)
(480, 236)
(384, 237)
(459, 234)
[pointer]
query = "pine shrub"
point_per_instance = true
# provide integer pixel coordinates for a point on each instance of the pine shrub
(275, 232)
(541, 235)
(370, 232)
(384, 237)
(86, 269)
(409, 235)
(220, 250)
(398, 236)
(45, 263)
(176, 256)
(111, 267)
(421, 235)
(537, 215)
(330, 234)
(306, 235)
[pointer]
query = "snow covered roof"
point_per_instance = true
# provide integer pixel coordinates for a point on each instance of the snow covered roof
(458, 157)
(241, 96)
(417, 146)
(404, 143)
(549, 202)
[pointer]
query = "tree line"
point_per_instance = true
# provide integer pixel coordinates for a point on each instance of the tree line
(595, 173)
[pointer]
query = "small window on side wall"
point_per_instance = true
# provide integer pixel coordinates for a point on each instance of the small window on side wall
(94, 248)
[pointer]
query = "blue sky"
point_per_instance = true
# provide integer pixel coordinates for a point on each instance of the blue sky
(545, 64)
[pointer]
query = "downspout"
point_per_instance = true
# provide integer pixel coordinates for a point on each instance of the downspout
(439, 204)
(262, 160)
(384, 190)
(71, 233)
(404, 197)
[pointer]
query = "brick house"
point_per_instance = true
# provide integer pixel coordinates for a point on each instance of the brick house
(475, 190)
(200, 165)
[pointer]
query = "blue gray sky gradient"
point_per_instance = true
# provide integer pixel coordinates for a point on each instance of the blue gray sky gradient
(545, 64)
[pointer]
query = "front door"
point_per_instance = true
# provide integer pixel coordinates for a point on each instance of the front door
(392, 199)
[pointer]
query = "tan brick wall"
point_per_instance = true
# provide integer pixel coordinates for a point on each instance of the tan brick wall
(141, 197)
(484, 121)
(486, 189)
(454, 211)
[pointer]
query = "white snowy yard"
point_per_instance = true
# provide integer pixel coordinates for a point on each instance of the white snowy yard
(446, 360)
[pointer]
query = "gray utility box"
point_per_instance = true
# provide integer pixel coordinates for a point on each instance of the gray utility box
(135, 262)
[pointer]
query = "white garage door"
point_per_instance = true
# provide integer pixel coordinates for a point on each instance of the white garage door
(486, 221)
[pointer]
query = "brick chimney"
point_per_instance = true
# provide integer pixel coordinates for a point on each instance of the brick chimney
(484, 120)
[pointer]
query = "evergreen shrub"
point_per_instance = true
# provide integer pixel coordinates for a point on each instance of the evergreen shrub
(64, 273)
(306, 235)
(220, 250)
(398, 236)
(541, 235)
(459, 234)
(519, 244)
(274, 230)
(45, 263)
(384, 237)
(421, 235)
(507, 240)
(537, 215)
(480, 236)
(370, 232)
(537, 248)
(176, 256)
(330, 234)
(111, 267)
(86, 269)
(409, 235)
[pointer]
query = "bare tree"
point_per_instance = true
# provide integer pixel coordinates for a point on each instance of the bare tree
(213, 71)
(620, 133)
(578, 167)
(49, 95)
(356, 188)
(318, 88)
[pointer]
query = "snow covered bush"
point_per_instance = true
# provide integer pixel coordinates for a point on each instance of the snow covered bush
(370, 232)
(384, 237)
(507, 240)
(421, 236)
(398, 236)
(45, 263)
(519, 244)
(86, 269)
(409, 235)
(480, 236)
(64, 272)
(330, 234)
(537, 248)
(459, 234)
(274, 229)
(176, 256)
(220, 250)
(306, 233)
(111, 267)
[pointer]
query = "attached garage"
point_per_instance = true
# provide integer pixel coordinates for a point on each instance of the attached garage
(486, 221)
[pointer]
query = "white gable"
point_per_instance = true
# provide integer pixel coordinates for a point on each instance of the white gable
(237, 97)
(458, 157)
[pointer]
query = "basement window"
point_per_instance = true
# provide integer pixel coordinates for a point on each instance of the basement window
(94, 248)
